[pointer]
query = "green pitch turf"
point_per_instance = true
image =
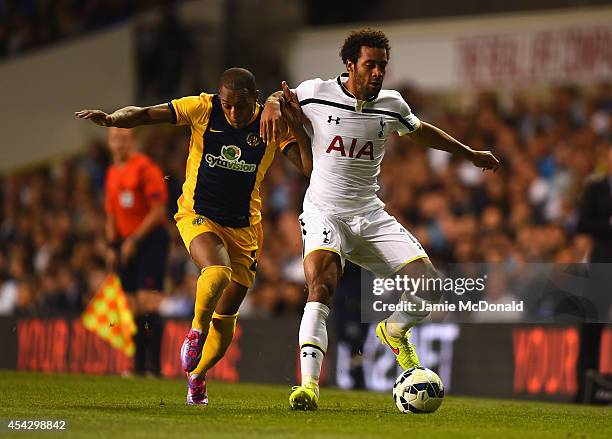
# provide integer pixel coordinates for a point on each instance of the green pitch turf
(113, 407)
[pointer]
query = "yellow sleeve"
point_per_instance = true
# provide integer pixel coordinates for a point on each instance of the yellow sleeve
(190, 110)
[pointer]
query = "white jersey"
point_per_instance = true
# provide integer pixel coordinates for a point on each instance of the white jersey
(348, 138)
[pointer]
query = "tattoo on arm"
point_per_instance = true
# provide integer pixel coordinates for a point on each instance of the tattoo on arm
(129, 117)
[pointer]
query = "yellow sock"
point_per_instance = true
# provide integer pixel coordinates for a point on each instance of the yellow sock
(211, 284)
(219, 338)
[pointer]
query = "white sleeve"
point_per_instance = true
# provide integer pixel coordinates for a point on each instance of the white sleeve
(406, 121)
(306, 90)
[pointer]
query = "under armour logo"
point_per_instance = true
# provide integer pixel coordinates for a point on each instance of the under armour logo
(326, 234)
(337, 120)
(382, 123)
(312, 354)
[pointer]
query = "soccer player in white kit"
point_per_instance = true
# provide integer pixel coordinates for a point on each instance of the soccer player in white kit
(349, 119)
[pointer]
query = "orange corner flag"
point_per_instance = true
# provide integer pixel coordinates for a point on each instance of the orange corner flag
(109, 316)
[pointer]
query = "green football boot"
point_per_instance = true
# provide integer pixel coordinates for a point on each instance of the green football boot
(304, 397)
(404, 351)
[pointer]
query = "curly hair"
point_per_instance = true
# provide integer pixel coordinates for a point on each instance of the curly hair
(363, 37)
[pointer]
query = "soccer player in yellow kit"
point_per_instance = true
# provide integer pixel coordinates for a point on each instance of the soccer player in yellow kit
(219, 211)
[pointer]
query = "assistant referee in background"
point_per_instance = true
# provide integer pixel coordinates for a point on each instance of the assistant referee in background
(135, 204)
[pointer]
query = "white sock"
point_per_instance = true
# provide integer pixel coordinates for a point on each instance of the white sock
(313, 341)
(401, 321)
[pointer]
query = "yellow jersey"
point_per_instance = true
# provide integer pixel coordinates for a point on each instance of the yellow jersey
(226, 165)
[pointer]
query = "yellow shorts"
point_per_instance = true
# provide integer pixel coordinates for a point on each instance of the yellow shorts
(242, 244)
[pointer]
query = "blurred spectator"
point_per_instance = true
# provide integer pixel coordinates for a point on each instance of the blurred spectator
(26, 297)
(180, 302)
(27, 24)
(8, 295)
(595, 217)
(595, 220)
(498, 293)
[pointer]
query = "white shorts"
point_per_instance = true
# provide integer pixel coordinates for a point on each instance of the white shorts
(373, 240)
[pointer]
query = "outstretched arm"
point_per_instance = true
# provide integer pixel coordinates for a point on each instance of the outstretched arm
(129, 117)
(433, 137)
(294, 117)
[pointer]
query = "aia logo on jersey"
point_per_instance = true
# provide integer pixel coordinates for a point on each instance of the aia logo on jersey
(365, 151)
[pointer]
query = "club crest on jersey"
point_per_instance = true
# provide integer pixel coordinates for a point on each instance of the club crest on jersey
(229, 159)
(253, 139)
(365, 151)
(336, 119)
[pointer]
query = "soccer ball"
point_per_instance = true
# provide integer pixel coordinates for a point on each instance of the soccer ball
(418, 390)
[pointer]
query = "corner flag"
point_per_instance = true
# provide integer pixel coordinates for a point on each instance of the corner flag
(109, 316)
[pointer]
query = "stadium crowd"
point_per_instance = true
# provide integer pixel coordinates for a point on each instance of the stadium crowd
(30, 24)
(52, 245)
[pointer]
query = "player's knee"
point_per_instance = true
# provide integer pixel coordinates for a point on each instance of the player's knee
(436, 281)
(431, 285)
(217, 277)
(207, 249)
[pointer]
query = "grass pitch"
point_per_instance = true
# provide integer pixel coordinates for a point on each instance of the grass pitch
(113, 407)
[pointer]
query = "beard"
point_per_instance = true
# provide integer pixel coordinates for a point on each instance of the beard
(367, 88)
(375, 88)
